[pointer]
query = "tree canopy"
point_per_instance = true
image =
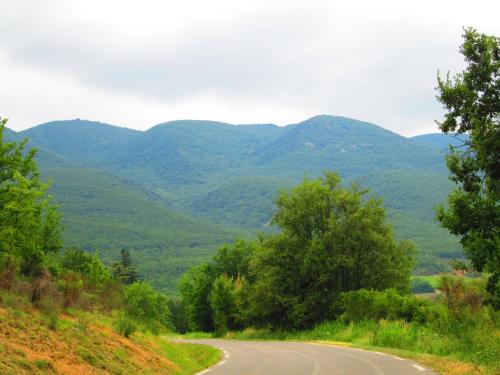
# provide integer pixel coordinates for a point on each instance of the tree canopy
(472, 101)
(333, 239)
(29, 224)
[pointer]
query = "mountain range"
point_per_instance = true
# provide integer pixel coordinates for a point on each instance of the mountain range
(173, 193)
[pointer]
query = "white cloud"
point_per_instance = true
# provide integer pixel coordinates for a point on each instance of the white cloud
(140, 63)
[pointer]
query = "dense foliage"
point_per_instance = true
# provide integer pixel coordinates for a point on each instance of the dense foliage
(472, 101)
(29, 225)
(333, 239)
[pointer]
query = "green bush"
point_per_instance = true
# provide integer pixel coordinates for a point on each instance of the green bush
(71, 287)
(365, 304)
(42, 364)
(147, 307)
(464, 300)
(87, 265)
(124, 326)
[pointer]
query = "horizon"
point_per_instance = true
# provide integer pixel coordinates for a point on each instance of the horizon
(218, 122)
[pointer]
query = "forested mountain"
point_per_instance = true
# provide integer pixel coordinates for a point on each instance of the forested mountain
(79, 140)
(175, 191)
(442, 140)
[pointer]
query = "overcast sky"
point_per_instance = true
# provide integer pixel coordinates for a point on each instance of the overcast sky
(140, 63)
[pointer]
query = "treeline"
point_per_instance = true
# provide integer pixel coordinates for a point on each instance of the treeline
(33, 263)
(333, 239)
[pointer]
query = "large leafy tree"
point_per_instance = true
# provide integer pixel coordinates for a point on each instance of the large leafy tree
(472, 101)
(29, 225)
(333, 239)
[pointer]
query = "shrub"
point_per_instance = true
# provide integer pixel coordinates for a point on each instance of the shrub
(71, 287)
(124, 325)
(43, 287)
(8, 271)
(87, 265)
(111, 295)
(146, 306)
(462, 299)
(365, 304)
(42, 364)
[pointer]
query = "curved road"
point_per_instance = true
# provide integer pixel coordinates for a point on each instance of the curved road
(299, 358)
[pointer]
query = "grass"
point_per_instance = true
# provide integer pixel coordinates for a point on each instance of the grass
(83, 342)
(434, 280)
(431, 279)
(189, 357)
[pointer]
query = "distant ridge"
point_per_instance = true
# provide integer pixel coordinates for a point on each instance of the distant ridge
(443, 141)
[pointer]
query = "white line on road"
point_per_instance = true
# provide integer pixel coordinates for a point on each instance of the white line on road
(203, 372)
(399, 359)
(221, 363)
(380, 353)
(419, 368)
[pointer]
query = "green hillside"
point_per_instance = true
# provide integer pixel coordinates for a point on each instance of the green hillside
(169, 192)
(188, 153)
(107, 213)
(79, 140)
(247, 202)
(410, 197)
(442, 141)
(348, 146)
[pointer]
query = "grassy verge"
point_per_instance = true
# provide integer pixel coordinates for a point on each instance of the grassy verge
(36, 341)
(431, 279)
(469, 351)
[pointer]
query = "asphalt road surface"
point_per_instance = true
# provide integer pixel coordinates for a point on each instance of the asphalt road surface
(298, 358)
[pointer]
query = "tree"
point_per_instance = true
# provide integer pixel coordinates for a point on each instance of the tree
(332, 240)
(125, 270)
(472, 102)
(233, 260)
(211, 291)
(195, 286)
(223, 302)
(179, 315)
(29, 224)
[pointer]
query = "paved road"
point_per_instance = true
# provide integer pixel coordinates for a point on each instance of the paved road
(298, 358)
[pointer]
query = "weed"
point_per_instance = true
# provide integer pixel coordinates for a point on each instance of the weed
(42, 364)
(124, 326)
(87, 357)
(121, 354)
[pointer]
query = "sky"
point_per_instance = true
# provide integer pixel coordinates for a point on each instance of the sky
(140, 63)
